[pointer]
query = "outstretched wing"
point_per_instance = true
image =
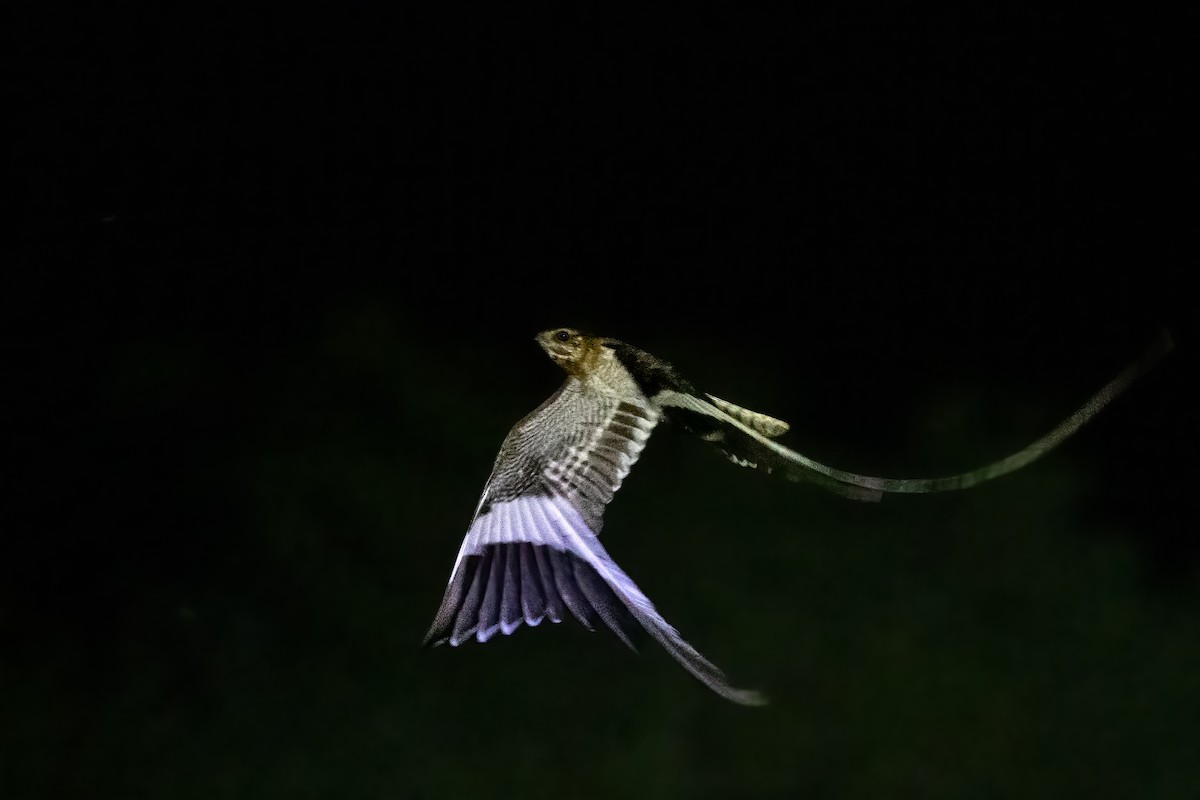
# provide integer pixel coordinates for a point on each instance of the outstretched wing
(747, 445)
(533, 552)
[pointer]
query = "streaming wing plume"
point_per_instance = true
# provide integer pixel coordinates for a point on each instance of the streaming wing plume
(744, 439)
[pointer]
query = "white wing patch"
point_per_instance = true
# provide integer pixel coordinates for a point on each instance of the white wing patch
(553, 533)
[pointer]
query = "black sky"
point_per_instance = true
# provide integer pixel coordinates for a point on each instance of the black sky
(277, 277)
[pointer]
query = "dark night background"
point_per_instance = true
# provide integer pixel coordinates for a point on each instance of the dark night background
(277, 277)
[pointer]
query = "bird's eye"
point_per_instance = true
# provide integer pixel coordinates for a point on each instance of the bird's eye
(562, 336)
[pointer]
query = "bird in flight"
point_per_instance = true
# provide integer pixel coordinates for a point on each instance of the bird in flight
(533, 549)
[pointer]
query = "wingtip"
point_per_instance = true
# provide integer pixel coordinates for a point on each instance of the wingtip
(749, 697)
(1159, 349)
(433, 638)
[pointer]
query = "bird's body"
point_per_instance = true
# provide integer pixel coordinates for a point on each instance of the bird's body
(533, 550)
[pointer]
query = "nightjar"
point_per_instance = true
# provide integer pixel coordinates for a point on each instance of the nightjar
(533, 550)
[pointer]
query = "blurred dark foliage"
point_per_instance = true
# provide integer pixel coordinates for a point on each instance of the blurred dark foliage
(277, 273)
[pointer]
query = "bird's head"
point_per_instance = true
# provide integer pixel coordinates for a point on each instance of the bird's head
(566, 347)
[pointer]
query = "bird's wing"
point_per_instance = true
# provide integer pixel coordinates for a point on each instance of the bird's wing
(746, 445)
(532, 551)
(767, 426)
